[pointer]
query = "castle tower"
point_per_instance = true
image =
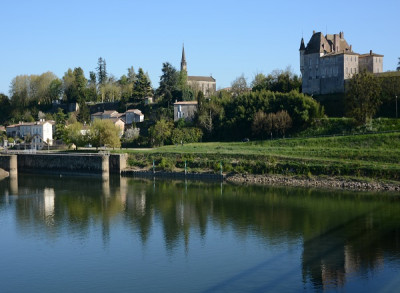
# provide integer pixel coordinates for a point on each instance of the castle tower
(302, 50)
(183, 60)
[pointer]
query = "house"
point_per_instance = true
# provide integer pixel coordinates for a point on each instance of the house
(105, 115)
(328, 61)
(39, 132)
(38, 143)
(118, 119)
(133, 115)
(118, 122)
(206, 84)
(185, 110)
(148, 100)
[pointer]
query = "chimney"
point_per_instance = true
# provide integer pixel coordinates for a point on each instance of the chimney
(341, 35)
(313, 32)
(370, 52)
(351, 50)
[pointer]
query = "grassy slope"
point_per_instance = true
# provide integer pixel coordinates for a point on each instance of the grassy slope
(373, 155)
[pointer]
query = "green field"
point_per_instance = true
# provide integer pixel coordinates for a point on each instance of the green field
(373, 155)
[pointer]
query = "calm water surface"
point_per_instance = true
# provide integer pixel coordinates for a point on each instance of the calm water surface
(130, 235)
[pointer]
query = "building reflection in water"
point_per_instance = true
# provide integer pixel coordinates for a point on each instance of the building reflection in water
(342, 237)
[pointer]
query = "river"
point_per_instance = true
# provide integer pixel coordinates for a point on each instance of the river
(82, 234)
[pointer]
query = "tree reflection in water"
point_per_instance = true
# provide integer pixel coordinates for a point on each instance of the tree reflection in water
(342, 232)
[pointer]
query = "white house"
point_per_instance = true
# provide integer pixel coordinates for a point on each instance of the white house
(40, 131)
(185, 110)
(133, 115)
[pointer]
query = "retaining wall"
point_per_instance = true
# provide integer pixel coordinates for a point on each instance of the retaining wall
(95, 164)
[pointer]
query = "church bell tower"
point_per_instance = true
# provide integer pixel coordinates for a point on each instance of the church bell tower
(183, 60)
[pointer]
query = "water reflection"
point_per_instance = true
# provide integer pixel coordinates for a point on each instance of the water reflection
(342, 234)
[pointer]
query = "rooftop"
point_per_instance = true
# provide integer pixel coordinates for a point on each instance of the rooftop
(186, 103)
(201, 78)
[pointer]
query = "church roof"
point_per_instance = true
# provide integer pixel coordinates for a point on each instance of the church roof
(186, 103)
(201, 78)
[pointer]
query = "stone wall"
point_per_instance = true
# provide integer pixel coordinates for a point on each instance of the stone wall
(117, 163)
(60, 163)
(94, 164)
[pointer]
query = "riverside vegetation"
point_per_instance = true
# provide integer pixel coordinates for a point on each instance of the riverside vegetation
(373, 156)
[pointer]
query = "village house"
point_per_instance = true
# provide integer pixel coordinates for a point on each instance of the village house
(133, 115)
(185, 110)
(39, 133)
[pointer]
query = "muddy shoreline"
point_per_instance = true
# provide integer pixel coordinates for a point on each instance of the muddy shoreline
(316, 182)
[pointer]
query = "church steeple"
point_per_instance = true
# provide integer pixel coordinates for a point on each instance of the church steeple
(183, 60)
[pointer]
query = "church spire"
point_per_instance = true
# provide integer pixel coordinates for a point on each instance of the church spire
(183, 61)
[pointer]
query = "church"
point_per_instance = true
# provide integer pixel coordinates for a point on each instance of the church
(206, 84)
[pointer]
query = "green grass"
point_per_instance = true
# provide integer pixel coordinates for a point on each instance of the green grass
(372, 156)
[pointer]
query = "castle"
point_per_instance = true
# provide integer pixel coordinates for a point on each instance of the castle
(327, 61)
(206, 84)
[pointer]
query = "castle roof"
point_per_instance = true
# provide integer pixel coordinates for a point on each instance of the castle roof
(201, 78)
(302, 47)
(327, 44)
(370, 54)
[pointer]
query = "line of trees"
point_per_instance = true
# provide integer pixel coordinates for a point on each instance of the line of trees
(31, 93)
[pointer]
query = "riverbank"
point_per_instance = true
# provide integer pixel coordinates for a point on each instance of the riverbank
(315, 181)
(342, 183)
(370, 160)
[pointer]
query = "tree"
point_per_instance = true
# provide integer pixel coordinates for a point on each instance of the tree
(73, 135)
(101, 71)
(259, 124)
(104, 133)
(160, 132)
(283, 81)
(5, 108)
(258, 80)
(168, 80)
(55, 89)
(60, 123)
(363, 97)
(239, 86)
(75, 85)
(200, 102)
(131, 75)
(131, 134)
(142, 87)
(30, 90)
(282, 122)
(398, 65)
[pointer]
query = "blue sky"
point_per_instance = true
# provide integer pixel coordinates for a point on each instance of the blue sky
(222, 38)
